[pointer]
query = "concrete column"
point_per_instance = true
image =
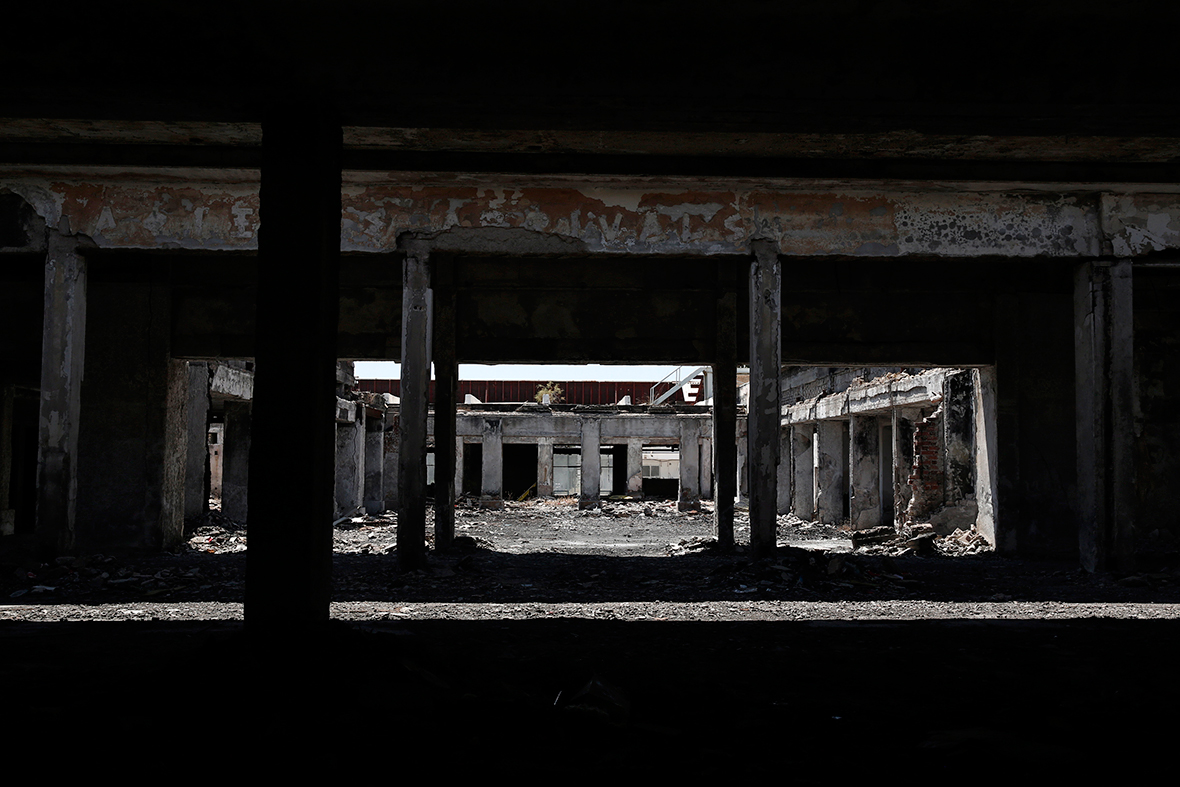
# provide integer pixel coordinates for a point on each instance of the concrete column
(765, 395)
(786, 481)
(706, 464)
(288, 581)
(415, 383)
(864, 472)
(591, 464)
(392, 439)
(196, 473)
(803, 478)
(545, 467)
(374, 498)
(743, 469)
(63, 344)
(1104, 391)
(831, 482)
(350, 462)
(458, 467)
(635, 468)
(235, 461)
(446, 392)
(725, 403)
(174, 455)
(690, 465)
(493, 464)
(983, 382)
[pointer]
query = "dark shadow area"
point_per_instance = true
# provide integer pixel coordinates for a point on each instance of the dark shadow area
(701, 575)
(821, 702)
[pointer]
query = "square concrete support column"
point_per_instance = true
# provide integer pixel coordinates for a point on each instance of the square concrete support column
(864, 472)
(1104, 390)
(196, 472)
(706, 464)
(374, 498)
(743, 474)
(983, 383)
(446, 393)
(545, 467)
(690, 465)
(785, 471)
(291, 499)
(235, 461)
(63, 344)
(392, 438)
(350, 462)
(635, 468)
(591, 464)
(174, 456)
(725, 440)
(417, 308)
(803, 476)
(831, 482)
(492, 486)
(458, 467)
(766, 347)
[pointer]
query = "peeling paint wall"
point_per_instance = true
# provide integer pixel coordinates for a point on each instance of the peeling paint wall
(631, 219)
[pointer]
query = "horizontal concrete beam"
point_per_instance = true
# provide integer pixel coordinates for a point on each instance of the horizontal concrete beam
(909, 391)
(525, 427)
(230, 383)
(586, 216)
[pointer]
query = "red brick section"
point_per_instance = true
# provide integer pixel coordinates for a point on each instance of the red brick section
(927, 478)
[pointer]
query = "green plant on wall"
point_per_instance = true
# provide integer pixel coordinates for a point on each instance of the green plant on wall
(551, 388)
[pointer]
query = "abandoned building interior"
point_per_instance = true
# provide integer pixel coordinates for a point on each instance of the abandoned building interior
(954, 285)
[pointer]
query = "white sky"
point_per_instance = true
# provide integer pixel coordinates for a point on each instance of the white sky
(389, 370)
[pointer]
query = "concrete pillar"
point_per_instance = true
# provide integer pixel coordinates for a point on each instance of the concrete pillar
(446, 392)
(235, 461)
(706, 464)
(493, 464)
(831, 483)
(288, 581)
(591, 464)
(983, 383)
(635, 468)
(864, 472)
(1104, 391)
(63, 344)
(350, 461)
(803, 477)
(545, 467)
(415, 383)
(458, 467)
(690, 465)
(374, 497)
(786, 481)
(765, 395)
(174, 455)
(743, 469)
(725, 403)
(392, 440)
(196, 473)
